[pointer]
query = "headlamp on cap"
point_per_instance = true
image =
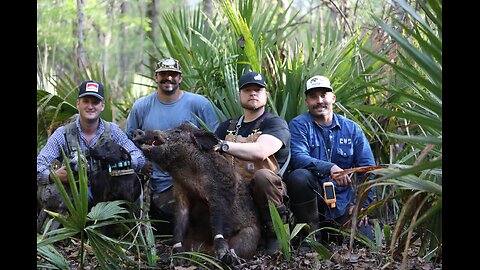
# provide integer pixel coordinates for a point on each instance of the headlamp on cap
(168, 64)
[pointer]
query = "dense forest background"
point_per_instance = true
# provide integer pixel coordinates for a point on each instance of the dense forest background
(384, 59)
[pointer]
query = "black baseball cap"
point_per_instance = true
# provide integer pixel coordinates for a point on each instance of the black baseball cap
(251, 77)
(91, 88)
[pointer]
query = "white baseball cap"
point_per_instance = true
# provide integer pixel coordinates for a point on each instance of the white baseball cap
(318, 82)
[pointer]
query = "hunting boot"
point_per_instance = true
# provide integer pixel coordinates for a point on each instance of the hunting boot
(307, 212)
(272, 245)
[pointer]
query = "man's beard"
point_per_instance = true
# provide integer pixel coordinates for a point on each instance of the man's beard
(174, 87)
(252, 107)
(320, 115)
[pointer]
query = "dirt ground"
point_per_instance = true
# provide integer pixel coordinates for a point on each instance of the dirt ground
(361, 258)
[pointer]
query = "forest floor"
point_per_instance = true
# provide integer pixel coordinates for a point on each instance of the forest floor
(360, 258)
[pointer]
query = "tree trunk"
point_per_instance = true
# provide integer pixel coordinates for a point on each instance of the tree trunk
(152, 14)
(207, 8)
(283, 6)
(123, 56)
(81, 55)
(108, 36)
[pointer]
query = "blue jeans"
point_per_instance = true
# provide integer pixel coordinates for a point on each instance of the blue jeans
(303, 186)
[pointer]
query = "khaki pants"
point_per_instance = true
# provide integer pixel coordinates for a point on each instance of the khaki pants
(267, 185)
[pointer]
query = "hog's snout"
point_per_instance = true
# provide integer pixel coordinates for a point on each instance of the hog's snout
(138, 134)
(149, 137)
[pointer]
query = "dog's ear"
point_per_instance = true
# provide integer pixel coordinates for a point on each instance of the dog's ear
(205, 140)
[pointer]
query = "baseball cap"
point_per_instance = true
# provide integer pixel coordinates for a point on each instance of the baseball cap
(318, 82)
(91, 88)
(168, 64)
(251, 77)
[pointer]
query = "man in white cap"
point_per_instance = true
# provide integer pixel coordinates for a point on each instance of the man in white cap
(323, 143)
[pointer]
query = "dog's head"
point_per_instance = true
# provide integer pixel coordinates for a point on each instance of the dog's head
(109, 151)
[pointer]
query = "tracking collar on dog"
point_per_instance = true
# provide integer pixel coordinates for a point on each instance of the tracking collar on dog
(120, 168)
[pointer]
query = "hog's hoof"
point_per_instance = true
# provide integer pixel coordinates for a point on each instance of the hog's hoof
(177, 259)
(231, 258)
(224, 253)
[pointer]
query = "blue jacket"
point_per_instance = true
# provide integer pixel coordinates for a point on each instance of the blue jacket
(349, 146)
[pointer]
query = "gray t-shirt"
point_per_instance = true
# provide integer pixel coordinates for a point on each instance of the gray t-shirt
(149, 113)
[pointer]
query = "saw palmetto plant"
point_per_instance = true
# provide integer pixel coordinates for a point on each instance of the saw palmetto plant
(387, 77)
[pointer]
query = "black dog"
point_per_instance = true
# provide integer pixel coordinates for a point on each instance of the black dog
(116, 180)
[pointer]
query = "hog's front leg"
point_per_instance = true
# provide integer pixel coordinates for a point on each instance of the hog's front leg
(222, 229)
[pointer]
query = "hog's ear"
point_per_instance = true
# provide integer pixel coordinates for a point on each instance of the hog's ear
(204, 140)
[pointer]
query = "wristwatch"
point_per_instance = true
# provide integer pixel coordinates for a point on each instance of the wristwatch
(223, 146)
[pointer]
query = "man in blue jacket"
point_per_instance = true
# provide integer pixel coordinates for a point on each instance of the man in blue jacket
(323, 143)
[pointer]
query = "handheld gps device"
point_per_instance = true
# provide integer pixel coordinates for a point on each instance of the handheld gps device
(329, 194)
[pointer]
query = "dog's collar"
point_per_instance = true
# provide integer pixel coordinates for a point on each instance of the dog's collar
(121, 172)
(119, 165)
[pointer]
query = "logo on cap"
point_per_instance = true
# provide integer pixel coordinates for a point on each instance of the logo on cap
(91, 87)
(251, 77)
(318, 82)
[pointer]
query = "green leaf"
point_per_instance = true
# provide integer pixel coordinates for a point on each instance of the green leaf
(378, 235)
(50, 254)
(280, 230)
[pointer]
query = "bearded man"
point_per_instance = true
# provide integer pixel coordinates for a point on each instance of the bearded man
(167, 107)
(325, 143)
(258, 145)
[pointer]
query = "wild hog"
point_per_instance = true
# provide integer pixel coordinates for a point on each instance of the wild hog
(214, 210)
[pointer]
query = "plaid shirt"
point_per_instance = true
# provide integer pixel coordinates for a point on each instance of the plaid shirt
(57, 141)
